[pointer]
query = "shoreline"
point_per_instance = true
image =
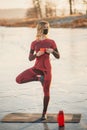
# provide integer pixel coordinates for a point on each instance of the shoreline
(73, 21)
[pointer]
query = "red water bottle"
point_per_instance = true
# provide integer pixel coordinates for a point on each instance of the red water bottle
(60, 119)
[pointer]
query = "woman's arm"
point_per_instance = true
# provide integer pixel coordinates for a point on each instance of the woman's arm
(54, 52)
(32, 56)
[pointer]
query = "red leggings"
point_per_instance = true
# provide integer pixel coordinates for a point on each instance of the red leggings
(31, 75)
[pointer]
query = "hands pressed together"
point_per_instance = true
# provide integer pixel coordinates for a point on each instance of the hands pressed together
(49, 50)
(42, 51)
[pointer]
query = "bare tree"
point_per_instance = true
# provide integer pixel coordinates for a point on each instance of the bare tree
(85, 2)
(70, 3)
(37, 8)
(50, 9)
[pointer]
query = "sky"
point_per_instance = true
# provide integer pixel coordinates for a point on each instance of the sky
(4, 4)
(15, 3)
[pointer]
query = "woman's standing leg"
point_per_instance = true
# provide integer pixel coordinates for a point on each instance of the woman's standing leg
(46, 89)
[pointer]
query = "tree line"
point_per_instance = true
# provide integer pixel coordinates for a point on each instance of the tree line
(49, 9)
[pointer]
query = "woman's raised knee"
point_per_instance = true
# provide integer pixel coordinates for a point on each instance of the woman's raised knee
(18, 80)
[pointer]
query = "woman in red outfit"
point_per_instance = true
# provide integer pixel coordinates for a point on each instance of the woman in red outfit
(40, 51)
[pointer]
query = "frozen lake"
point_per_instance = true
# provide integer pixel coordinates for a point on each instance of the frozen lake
(69, 82)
